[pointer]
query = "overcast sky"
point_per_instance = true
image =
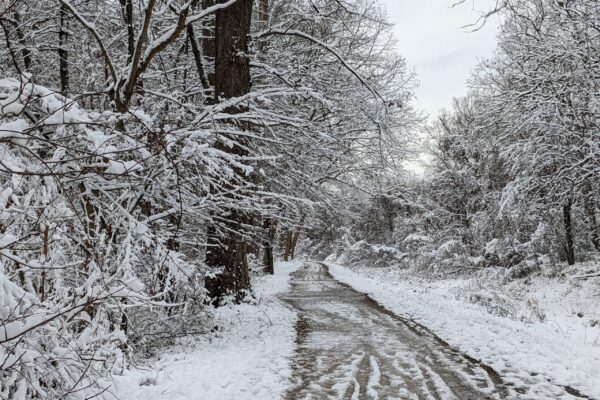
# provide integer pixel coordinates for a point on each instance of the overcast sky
(442, 53)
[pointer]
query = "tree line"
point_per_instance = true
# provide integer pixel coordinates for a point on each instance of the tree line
(514, 165)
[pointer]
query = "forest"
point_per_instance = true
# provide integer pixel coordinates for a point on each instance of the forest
(159, 156)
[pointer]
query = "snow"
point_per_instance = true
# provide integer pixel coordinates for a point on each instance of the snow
(374, 378)
(14, 130)
(9, 97)
(10, 107)
(249, 357)
(97, 139)
(417, 237)
(560, 348)
(122, 167)
(64, 114)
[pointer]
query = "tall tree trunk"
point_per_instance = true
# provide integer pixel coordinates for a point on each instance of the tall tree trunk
(63, 53)
(290, 241)
(209, 49)
(269, 224)
(127, 9)
(269, 231)
(45, 240)
(232, 79)
(569, 250)
(232, 66)
(21, 37)
(294, 243)
(288, 245)
(295, 237)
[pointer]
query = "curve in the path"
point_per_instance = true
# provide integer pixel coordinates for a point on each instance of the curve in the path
(349, 347)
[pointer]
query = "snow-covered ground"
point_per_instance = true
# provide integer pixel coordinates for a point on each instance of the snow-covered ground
(248, 359)
(532, 330)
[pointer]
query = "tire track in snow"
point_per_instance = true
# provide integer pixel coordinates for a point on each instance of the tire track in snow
(349, 347)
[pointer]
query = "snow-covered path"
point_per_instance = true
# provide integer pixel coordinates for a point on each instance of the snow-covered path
(349, 347)
(248, 358)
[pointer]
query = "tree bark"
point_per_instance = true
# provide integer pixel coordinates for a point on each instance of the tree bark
(269, 231)
(209, 49)
(63, 53)
(232, 79)
(197, 53)
(263, 21)
(569, 249)
(590, 210)
(127, 9)
(291, 241)
(294, 243)
(288, 245)
(232, 66)
(21, 37)
(269, 224)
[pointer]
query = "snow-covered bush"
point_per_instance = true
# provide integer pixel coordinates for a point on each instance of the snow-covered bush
(373, 255)
(88, 266)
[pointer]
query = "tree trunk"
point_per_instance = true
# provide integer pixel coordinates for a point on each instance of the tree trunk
(295, 237)
(198, 59)
(590, 210)
(63, 53)
(569, 250)
(232, 79)
(45, 239)
(26, 54)
(232, 66)
(292, 240)
(127, 9)
(288, 245)
(263, 21)
(269, 231)
(294, 243)
(209, 50)
(263, 13)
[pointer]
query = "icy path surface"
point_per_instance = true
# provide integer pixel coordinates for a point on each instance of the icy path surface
(349, 347)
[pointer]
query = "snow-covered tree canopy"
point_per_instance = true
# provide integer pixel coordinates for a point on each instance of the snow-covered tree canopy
(514, 171)
(144, 155)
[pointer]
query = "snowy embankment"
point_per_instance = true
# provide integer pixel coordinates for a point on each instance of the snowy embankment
(247, 359)
(560, 345)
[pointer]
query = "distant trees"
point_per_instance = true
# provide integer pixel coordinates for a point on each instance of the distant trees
(543, 88)
(514, 171)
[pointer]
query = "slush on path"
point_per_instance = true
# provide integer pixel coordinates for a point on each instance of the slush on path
(349, 347)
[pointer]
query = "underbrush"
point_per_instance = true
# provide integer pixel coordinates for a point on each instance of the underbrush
(506, 281)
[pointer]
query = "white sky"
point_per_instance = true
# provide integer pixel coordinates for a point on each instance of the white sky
(442, 53)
